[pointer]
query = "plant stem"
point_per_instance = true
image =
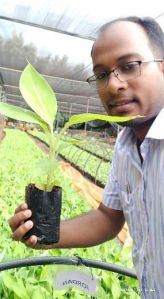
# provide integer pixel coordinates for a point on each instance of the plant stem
(51, 157)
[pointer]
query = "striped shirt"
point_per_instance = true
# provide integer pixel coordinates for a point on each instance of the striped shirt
(138, 190)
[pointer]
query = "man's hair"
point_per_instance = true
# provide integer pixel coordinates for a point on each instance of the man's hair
(150, 26)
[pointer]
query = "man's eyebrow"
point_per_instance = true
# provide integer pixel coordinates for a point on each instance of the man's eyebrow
(129, 56)
(97, 66)
(132, 55)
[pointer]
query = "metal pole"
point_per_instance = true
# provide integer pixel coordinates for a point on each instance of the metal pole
(85, 128)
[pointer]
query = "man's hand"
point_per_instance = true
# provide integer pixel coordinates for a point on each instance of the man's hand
(90, 229)
(20, 226)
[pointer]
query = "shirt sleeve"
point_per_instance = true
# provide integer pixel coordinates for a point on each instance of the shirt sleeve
(111, 194)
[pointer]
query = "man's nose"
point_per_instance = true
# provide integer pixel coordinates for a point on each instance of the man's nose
(114, 84)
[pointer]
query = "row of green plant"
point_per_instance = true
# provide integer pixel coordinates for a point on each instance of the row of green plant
(92, 145)
(85, 161)
(89, 164)
(38, 282)
(91, 139)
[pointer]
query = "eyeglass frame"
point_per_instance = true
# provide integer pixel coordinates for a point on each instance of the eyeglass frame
(108, 73)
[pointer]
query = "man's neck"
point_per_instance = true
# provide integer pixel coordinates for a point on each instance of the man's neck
(141, 133)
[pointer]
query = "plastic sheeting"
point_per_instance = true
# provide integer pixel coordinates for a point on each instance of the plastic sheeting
(65, 27)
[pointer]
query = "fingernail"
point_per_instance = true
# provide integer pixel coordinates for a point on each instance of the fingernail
(29, 224)
(28, 213)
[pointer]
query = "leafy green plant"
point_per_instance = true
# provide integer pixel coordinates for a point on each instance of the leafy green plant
(42, 100)
(14, 147)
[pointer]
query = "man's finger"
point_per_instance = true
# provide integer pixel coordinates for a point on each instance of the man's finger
(18, 219)
(21, 208)
(32, 242)
(22, 230)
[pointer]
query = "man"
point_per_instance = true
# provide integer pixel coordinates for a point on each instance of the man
(129, 76)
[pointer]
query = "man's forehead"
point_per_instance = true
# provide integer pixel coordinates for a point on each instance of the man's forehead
(120, 27)
(124, 33)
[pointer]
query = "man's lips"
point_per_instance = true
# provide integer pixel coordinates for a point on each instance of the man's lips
(121, 102)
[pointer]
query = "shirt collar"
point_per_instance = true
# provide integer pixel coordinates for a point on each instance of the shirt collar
(156, 130)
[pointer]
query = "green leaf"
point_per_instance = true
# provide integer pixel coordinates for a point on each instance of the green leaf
(60, 294)
(44, 167)
(116, 289)
(16, 286)
(38, 293)
(38, 94)
(77, 119)
(61, 146)
(21, 114)
(2, 254)
(133, 295)
(102, 294)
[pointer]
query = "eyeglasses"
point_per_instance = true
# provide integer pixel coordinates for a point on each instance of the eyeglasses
(123, 73)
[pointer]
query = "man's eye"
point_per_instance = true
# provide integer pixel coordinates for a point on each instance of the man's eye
(129, 67)
(101, 76)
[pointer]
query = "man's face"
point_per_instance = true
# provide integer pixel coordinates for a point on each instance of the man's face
(120, 43)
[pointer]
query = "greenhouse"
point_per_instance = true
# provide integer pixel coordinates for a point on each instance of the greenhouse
(57, 144)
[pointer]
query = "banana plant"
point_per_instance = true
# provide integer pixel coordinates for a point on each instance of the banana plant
(41, 98)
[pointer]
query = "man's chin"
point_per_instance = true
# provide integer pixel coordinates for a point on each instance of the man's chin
(138, 123)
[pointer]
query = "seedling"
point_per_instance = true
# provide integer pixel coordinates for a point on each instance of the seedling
(42, 100)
